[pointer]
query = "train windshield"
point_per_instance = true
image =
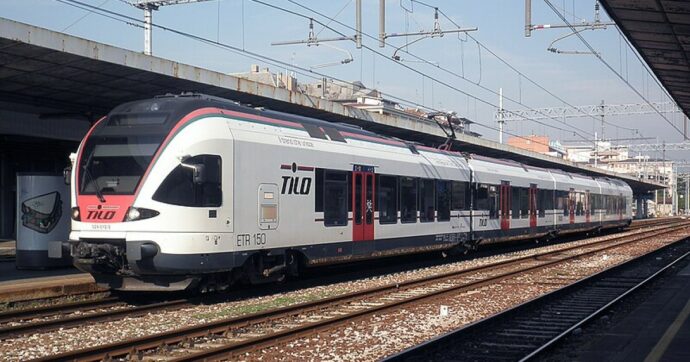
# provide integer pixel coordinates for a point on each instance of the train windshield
(118, 152)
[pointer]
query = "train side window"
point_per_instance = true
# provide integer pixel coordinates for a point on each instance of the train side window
(427, 207)
(335, 198)
(194, 183)
(541, 203)
(548, 199)
(515, 202)
(493, 198)
(408, 199)
(460, 197)
(562, 201)
(609, 205)
(605, 204)
(524, 202)
(388, 199)
(443, 196)
(482, 197)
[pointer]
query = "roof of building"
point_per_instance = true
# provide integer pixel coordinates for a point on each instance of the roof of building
(46, 72)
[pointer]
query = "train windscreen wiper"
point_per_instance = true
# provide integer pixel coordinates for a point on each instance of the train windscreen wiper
(101, 198)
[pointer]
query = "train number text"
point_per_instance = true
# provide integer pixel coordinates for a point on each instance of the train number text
(258, 239)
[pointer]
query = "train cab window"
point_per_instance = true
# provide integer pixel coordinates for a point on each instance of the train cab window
(335, 198)
(388, 199)
(460, 196)
(196, 182)
(443, 196)
(314, 131)
(408, 199)
(427, 207)
(333, 134)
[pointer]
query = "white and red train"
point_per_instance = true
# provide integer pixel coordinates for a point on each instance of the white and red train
(193, 191)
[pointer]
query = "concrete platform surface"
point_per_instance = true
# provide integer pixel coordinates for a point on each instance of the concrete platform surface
(656, 330)
(8, 249)
(16, 285)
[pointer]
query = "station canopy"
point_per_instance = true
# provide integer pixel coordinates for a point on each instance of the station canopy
(660, 31)
(57, 76)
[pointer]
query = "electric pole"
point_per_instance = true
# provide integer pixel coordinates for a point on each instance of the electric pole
(500, 115)
(149, 6)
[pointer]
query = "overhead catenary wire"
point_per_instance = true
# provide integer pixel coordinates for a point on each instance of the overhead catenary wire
(246, 53)
(309, 73)
(435, 65)
(589, 46)
(252, 55)
(82, 17)
(510, 66)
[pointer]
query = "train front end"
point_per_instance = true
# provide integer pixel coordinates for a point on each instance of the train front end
(147, 197)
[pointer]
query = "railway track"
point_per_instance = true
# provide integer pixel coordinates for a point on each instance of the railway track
(15, 323)
(227, 337)
(44, 318)
(529, 330)
(645, 223)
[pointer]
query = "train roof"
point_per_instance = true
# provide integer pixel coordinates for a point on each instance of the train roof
(175, 106)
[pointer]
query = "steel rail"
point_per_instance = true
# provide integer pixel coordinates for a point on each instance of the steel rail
(54, 309)
(604, 308)
(231, 349)
(78, 320)
(137, 345)
(437, 346)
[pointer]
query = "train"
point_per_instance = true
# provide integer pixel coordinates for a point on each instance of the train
(190, 191)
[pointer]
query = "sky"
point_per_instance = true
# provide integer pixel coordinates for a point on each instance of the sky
(461, 73)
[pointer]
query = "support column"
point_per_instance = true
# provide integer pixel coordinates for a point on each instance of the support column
(639, 201)
(687, 196)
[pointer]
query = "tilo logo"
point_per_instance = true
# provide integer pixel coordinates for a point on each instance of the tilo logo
(296, 185)
(101, 213)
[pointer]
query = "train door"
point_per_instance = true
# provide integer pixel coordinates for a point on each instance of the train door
(533, 206)
(571, 205)
(620, 207)
(363, 203)
(505, 205)
(587, 207)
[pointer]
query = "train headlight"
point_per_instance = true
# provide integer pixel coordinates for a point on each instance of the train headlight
(138, 213)
(76, 216)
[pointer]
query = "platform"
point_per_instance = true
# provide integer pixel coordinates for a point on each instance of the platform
(7, 250)
(656, 330)
(32, 284)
